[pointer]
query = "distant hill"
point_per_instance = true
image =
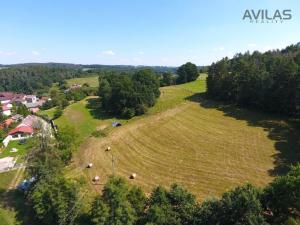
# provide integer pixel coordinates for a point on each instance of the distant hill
(87, 67)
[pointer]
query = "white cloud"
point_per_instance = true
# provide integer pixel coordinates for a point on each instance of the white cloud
(108, 52)
(141, 53)
(36, 53)
(10, 53)
(219, 49)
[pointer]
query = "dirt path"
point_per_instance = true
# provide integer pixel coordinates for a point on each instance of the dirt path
(17, 179)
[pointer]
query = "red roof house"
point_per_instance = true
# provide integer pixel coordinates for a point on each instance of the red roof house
(21, 129)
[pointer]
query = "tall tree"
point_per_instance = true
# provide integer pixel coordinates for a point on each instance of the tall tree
(187, 72)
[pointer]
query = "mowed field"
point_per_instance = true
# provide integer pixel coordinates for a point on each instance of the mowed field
(184, 139)
(92, 81)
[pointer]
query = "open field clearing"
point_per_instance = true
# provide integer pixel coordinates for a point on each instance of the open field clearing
(92, 81)
(205, 146)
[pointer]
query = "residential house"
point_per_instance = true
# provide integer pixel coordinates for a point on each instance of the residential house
(6, 109)
(6, 97)
(31, 99)
(24, 130)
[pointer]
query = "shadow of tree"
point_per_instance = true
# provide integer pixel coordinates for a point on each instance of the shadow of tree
(15, 200)
(94, 107)
(284, 131)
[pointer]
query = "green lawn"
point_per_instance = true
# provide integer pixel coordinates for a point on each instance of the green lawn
(21, 153)
(91, 80)
(49, 113)
(7, 217)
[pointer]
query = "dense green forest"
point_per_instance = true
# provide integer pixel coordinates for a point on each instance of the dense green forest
(39, 77)
(34, 79)
(267, 81)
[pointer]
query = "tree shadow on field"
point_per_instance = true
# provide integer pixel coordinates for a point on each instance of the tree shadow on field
(284, 131)
(15, 200)
(93, 105)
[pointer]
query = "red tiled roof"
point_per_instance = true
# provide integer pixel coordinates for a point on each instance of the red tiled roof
(21, 129)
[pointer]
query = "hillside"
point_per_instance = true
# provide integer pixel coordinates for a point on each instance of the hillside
(206, 146)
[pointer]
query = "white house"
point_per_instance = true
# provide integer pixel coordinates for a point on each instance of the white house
(30, 99)
(6, 109)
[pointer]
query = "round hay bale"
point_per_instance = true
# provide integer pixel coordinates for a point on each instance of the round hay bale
(96, 179)
(133, 176)
(90, 165)
(108, 148)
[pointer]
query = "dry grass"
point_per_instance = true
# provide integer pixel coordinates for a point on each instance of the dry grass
(198, 146)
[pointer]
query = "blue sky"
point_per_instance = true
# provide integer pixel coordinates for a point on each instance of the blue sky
(138, 32)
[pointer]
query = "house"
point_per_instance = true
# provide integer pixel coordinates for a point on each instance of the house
(19, 98)
(17, 118)
(6, 97)
(30, 99)
(6, 109)
(21, 132)
(33, 106)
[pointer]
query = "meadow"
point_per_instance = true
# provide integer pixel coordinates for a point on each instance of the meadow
(206, 146)
(91, 80)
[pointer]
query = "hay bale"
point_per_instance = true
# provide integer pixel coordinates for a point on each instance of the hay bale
(108, 148)
(90, 165)
(96, 179)
(133, 176)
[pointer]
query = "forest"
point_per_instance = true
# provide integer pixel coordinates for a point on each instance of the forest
(267, 81)
(39, 77)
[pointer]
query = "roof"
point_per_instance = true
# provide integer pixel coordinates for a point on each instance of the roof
(29, 120)
(19, 97)
(30, 96)
(17, 117)
(5, 107)
(32, 104)
(21, 129)
(4, 96)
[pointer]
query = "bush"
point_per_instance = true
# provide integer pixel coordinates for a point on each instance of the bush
(128, 113)
(58, 113)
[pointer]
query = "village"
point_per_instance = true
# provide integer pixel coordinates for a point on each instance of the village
(19, 123)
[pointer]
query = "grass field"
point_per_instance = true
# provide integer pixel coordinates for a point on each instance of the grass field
(203, 145)
(91, 80)
(21, 153)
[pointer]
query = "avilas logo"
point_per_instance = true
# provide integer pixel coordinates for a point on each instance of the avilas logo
(267, 16)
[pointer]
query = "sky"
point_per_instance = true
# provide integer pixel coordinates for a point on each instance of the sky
(139, 32)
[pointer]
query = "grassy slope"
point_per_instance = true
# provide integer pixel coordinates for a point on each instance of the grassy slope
(92, 81)
(7, 217)
(189, 142)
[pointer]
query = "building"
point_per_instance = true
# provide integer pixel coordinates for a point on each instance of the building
(6, 97)
(30, 99)
(33, 106)
(21, 132)
(6, 109)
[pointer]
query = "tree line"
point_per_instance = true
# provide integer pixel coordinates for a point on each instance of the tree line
(54, 199)
(267, 81)
(34, 79)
